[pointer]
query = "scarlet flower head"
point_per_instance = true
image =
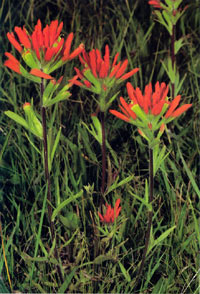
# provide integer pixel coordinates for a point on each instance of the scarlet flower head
(43, 51)
(150, 111)
(99, 75)
(111, 213)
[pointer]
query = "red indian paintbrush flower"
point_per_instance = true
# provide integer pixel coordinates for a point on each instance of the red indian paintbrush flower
(101, 68)
(43, 51)
(155, 3)
(152, 110)
(111, 213)
(99, 75)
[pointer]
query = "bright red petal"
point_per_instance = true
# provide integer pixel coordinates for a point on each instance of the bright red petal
(38, 73)
(52, 32)
(93, 62)
(181, 109)
(120, 115)
(114, 70)
(101, 217)
(23, 38)
(122, 69)
(173, 106)
(14, 42)
(68, 43)
(129, 74)
(76, 52)
(107, 57)
(131, 93)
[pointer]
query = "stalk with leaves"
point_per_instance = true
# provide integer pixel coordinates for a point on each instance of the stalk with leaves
(101, 77)
(43, 52)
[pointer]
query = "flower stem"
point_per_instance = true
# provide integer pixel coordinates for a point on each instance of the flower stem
(46, 166)
(150, 213)
(103, 150)
(47, 176)
(173, 56)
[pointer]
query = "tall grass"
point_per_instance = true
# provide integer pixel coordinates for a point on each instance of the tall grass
(92, 260)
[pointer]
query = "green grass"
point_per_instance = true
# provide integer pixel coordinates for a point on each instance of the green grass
(92, 260)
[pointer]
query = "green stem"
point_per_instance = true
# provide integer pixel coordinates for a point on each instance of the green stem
(150, 213)
(103, 150)
(46, 165)
(47, 176)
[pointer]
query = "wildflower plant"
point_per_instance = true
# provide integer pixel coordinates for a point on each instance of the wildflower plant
(101, 78)
(150, 113)
(168, 13)
(43, 51)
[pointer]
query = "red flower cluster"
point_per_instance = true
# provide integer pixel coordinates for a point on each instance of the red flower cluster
(151, 103)
(41, 48)
(111, 213)
(102, 69)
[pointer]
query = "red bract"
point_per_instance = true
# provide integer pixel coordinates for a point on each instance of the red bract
(46, 49)
(151, 103)
(155, 3)
(101, 68)
(111, 213)
(12, 63)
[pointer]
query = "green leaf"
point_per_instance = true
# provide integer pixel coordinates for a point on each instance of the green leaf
(97, 124)
(87, 145)
(167, 17)
(71, 221)
(124, 272)
(34, 124)
(140, 113)
(121, 183)
(54, 147)
(88, 74)
(48, 92)
(31, 142)
(108, 104)
(65, 203)
(177, 45)
(29, 59)
(162, 21)
(97, 134)
(171, 72)
(18, 119)
(60, 97)
(67, 281)
(144, 200)
(158, 157)
(161, 238)
(178, 84)
(177, 3)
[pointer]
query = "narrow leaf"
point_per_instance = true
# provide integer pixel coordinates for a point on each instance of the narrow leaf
(65, 203)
